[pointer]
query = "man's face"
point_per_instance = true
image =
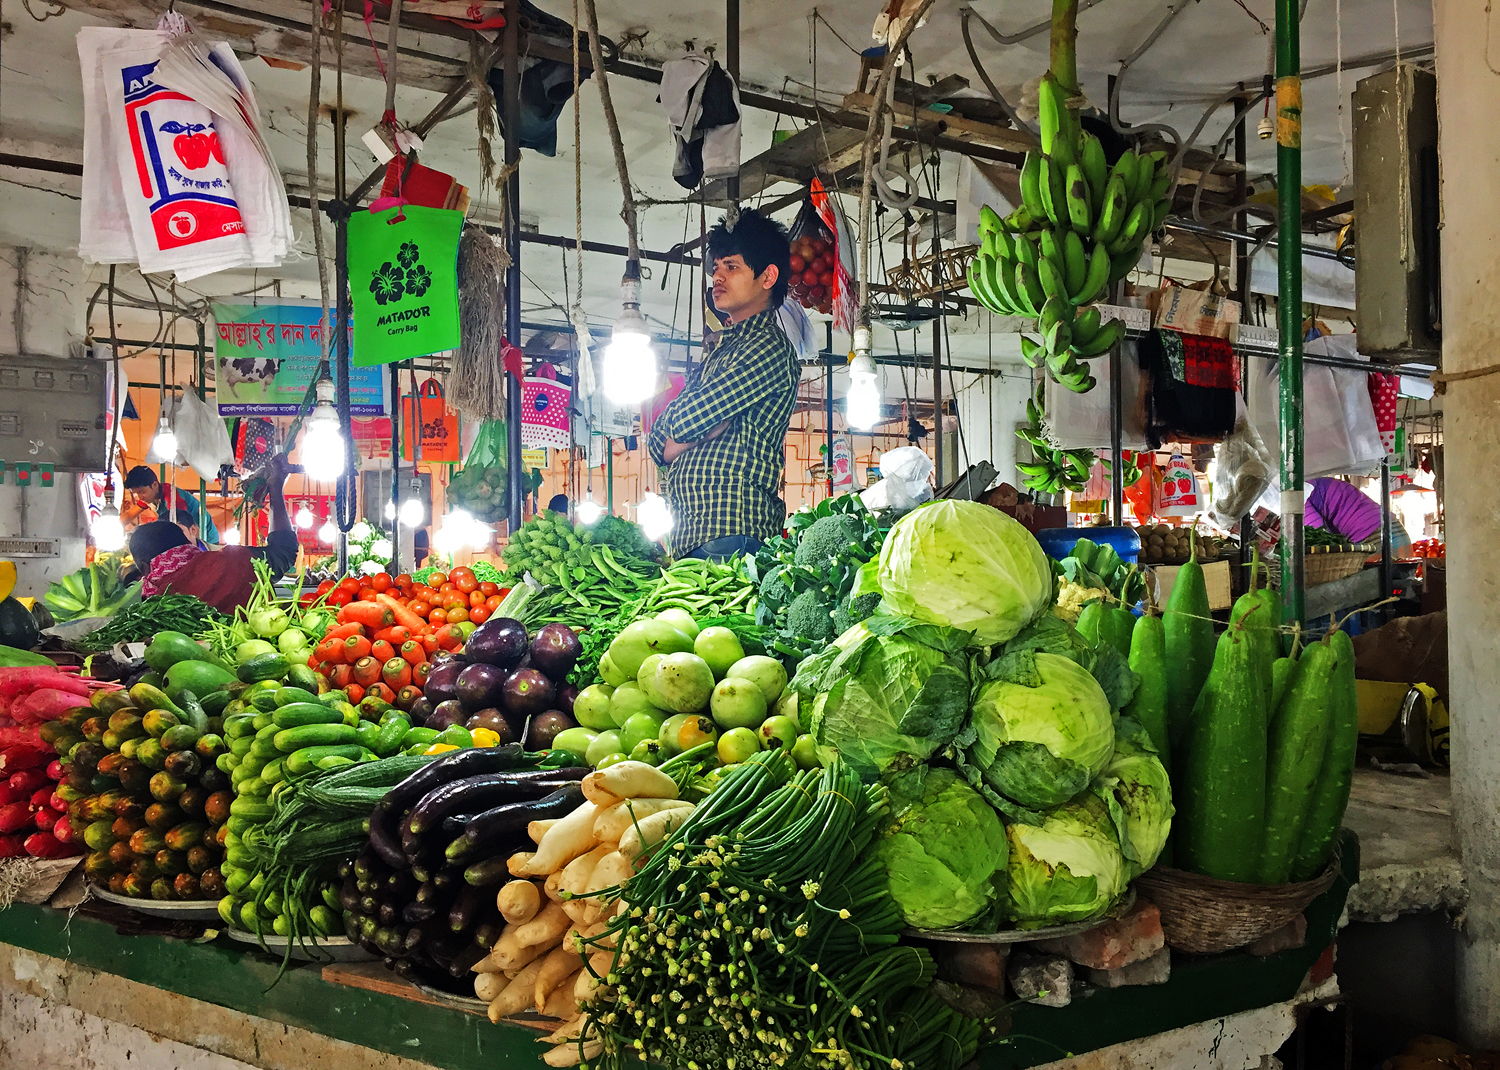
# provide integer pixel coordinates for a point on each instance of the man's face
(738, 291)
(149, 493)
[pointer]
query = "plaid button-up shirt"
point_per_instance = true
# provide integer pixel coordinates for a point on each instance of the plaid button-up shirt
(731, 485)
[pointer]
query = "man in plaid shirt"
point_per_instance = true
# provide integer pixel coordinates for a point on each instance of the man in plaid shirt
(720, 444)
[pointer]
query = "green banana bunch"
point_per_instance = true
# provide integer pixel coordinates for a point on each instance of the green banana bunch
(1053, 470)
(1080, 227)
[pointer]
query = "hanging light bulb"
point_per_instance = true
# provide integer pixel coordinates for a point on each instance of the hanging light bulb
(629, 360)
(323, 450)
(654, 516)
(231, 536)
(164, 445)
(455, 532)
(108, 530)
(328, 533)
(412, 514)
(589, 511)
(862, 402)
(304, 518)
(390, 510)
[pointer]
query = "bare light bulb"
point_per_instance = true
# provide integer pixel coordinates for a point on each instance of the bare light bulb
(108, 530)
(164, 445)
(654, 516)
(588, 511)
(629, 360)
(323, 450)
(411, 513)
(304, 518)
(862, 402)
(327, 533)
(231, 536)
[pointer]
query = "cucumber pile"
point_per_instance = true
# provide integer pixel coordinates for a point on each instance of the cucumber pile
(154, 821)
(1263, 746)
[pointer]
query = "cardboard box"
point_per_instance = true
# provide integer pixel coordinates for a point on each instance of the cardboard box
(1215, 577)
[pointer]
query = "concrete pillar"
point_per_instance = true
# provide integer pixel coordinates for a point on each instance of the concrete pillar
(1469, 148)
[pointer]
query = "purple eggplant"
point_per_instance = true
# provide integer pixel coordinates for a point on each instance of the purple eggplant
(555, 650)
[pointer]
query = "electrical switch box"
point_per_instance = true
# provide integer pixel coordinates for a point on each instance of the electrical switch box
(52, 412)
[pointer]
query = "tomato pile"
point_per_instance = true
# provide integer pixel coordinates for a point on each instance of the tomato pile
(814, 262)
(389, 628)
(1428, 548)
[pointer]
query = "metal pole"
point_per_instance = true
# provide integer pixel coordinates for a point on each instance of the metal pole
(1241, 247)
(937, 396)
(828, 409)
(1116, 436)
(341, 353)
(396, 462)
(609, 474)
(511, 108)
(732, 65)
(1385, 527)
(1289, 301)
(202, 386)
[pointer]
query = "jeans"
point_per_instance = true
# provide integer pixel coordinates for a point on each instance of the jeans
(722, 549)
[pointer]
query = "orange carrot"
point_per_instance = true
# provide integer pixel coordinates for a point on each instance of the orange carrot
(404, 617)
(370, 614)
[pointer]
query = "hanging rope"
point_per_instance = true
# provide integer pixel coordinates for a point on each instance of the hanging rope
(314, 106)
(627, 212)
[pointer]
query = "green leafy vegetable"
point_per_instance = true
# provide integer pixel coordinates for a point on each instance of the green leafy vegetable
(966, 566)
(942, 850)
(1136, 790)
(1066, 867)
(142, 620)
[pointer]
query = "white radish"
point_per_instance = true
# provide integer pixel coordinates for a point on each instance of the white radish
(537, 829)
(612, 823)
(562, 1003)
(573, 1053)
(516, 864)
(643, 836)
(630, 780)
(578, 911)
(560, 965)
(551, 887)
(518, 901)
(509, 954)
(488, 986)
(518, 995)
(614, 869)
(576, 874)
(546, 927)
(572, 836)
(569, 1030)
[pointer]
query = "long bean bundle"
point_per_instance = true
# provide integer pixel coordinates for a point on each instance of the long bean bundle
(762, 934)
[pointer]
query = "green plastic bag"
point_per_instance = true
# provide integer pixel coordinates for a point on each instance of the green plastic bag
(490, 445)
(403, 281)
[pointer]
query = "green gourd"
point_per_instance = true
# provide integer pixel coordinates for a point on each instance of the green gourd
(1221, 792)
(1148, 706)
(1189, 643)
(1281, 675)
(1297, 745)
(1331, 794)
(1258, 611)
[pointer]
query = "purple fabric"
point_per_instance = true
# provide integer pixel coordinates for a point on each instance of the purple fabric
(1342, 508)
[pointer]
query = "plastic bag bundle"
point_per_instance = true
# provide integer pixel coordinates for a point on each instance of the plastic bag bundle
(1245, 469)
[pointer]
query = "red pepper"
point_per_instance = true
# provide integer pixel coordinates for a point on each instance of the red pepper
(27, 781)
(356, 647)
(45, 819)
(14, 816)
(354, 692)
(407, 696)
(396, 674)
(382, 651)
(23, 756)
(41, 797)
(413, 652)
(366, 671)
(45, 845)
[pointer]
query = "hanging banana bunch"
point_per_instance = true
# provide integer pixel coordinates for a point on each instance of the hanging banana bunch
(1053, 470)
(1080, 227)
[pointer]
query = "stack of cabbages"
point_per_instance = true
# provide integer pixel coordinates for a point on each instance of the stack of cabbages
(1019, 796)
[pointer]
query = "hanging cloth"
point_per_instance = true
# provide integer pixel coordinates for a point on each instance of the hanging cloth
(1177, 410)
(702, 105)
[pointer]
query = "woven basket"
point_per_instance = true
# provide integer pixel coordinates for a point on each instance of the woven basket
(1204, 916)
(1325, 568)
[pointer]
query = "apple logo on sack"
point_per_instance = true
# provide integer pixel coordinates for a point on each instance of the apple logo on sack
(182, 224)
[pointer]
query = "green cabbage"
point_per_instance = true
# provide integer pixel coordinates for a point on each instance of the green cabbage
(1136, 790)
(967, 566)
(1068, 868)
(943, 851)
(883, 701)
(1040, 742)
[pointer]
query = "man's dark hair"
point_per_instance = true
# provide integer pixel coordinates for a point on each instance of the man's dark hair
(762, 242)
(139, 476)
(558, 504)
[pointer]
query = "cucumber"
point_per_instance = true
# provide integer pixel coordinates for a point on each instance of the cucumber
(264, 667)
(262, 721)
(297, 714)
(264, 748)
(238, 725)
(255, 787)
(302, 675)
(1298, 742)
(264, 701)
(1330, 795)
(241, 746)
(253, 809)
(1189, 645)
(306, 759)
(285, 696)
(1148, 706)
(1221, 790)
(314, 735)
(274, 771)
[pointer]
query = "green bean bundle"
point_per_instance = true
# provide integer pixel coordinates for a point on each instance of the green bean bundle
(761, 934)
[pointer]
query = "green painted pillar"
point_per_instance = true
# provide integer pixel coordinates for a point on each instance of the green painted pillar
(1289, 301)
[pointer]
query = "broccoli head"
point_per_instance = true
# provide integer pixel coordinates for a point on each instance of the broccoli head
(824, 541)
(808, 617)
(853, 610)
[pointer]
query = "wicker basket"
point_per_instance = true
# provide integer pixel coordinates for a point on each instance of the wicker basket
(1204, 916)
(1325, 568)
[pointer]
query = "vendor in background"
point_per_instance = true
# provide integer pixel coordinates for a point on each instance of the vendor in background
(171, 564)
(151, 496)
(720, 444)
(1345, 510)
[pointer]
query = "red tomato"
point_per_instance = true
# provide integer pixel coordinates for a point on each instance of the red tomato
(479, 614)
(492, 603)
(350, 584)
(424, 592)
(489, 588)
(476, 599)
(438, 618)
(325, 586)
(419, 607)
(438, 578)
(404, 580)
(381, 581)
(466, 584)
(448, 587)
(454, 600)
(458, 613)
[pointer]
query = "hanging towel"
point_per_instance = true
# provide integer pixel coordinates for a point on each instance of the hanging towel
(1177, 410)
(702, 104)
